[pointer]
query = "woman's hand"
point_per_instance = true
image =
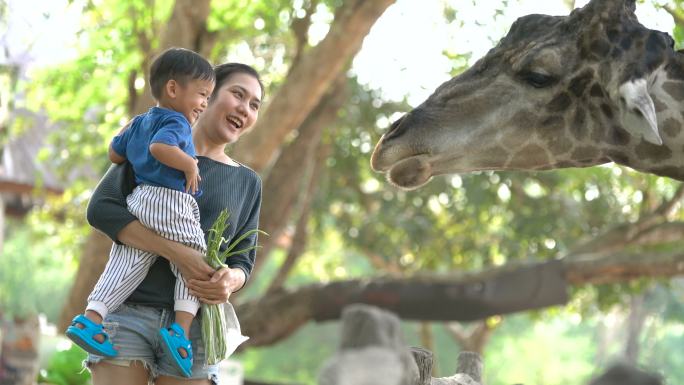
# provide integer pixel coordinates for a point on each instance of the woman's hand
(218, 289)
(192, 265)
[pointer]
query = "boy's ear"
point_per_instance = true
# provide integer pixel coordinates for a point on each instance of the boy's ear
(171, 88)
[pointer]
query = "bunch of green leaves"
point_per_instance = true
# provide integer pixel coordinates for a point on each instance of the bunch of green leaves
(64, 368)
(214, 328)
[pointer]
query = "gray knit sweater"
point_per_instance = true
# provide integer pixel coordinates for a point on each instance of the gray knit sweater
(236, 188)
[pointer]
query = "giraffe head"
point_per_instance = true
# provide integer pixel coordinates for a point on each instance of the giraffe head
(557, 91)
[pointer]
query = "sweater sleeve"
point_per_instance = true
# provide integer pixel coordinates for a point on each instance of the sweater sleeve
(245, 261)
(107, 211)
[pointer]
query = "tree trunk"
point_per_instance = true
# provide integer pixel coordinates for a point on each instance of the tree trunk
(308, 81)
(301, 235)
(91, 265)
(635, 324)
(473, 339)
(283, 186)
(466, 297)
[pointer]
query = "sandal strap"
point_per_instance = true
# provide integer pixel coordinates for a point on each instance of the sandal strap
(182, 340)
(90, 326)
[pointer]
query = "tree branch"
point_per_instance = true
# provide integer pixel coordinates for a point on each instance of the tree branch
(676, 16)
(308, 81)
(463, 297)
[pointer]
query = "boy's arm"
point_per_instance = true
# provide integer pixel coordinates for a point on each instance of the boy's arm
(174, 157)
(114, 157)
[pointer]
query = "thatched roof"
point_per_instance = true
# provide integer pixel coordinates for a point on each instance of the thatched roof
(20, 171)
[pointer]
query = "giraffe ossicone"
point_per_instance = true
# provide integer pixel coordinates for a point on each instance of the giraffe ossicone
(638, 113)
(557, 91)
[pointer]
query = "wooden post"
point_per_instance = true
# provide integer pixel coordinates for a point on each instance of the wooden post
(423, 358)
(468, 372)
(470, 363)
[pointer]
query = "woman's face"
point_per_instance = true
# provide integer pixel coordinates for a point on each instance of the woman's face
(235, 107)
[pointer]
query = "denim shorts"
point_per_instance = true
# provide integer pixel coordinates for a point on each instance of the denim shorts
(134, 330)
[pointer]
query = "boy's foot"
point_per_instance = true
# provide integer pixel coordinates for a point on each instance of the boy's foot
(178, 347)
(90, 336)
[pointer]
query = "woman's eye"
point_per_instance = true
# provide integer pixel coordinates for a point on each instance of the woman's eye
(537, 80)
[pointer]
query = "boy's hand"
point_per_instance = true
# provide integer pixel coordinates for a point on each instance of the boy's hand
(192, 179)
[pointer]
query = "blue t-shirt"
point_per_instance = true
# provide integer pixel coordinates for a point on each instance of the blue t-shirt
(158, 125)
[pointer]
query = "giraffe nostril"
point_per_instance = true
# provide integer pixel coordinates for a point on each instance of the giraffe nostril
(395, 129)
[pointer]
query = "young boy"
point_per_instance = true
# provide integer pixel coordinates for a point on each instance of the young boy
(158, 144)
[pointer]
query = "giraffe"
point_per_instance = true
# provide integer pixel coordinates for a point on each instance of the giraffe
(557, 91)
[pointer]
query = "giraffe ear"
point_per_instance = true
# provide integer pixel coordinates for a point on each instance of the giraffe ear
(638, 114)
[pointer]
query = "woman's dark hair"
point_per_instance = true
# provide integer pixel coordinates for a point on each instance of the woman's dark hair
(225, 71)
(181, 65)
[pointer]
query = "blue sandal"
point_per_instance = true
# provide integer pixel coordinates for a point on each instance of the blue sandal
(173, 339)
(85, 338)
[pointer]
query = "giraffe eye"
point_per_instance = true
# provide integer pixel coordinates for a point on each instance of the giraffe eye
(537, 80)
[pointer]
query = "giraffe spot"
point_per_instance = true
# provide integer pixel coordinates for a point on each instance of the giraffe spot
(584, 154)
(669, 171)
(522, 121)
(607, 111)
(530, 156)
(595, 124)
(559, 103)
(655, 42)
(616, 52)
(600, 48)
(675, 69)
(578, 127)
(652, 152)
(550, 126)
(675, 89)
(580, 82)
(671, 127)
(596, 91)
(626, 43)
(655, 48)
(618, 136)
(618, 158)
(559, 145)
(659, 106)
(613, 35)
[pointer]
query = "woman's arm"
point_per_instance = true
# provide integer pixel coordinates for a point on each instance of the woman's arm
(189, 261)
(107, 210)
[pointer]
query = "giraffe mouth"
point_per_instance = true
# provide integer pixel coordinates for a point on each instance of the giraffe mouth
(411, 172)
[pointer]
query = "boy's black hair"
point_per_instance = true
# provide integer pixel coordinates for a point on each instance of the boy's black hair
(181, 65)
(226, 70)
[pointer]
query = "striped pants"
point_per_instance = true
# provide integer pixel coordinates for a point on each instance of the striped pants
(173, 215)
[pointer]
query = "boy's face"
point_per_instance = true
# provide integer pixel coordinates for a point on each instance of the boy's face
(192, 98)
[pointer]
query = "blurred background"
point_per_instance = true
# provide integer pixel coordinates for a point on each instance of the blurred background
(73, 72)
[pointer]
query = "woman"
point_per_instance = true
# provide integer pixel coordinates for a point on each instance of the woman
(232, 111)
